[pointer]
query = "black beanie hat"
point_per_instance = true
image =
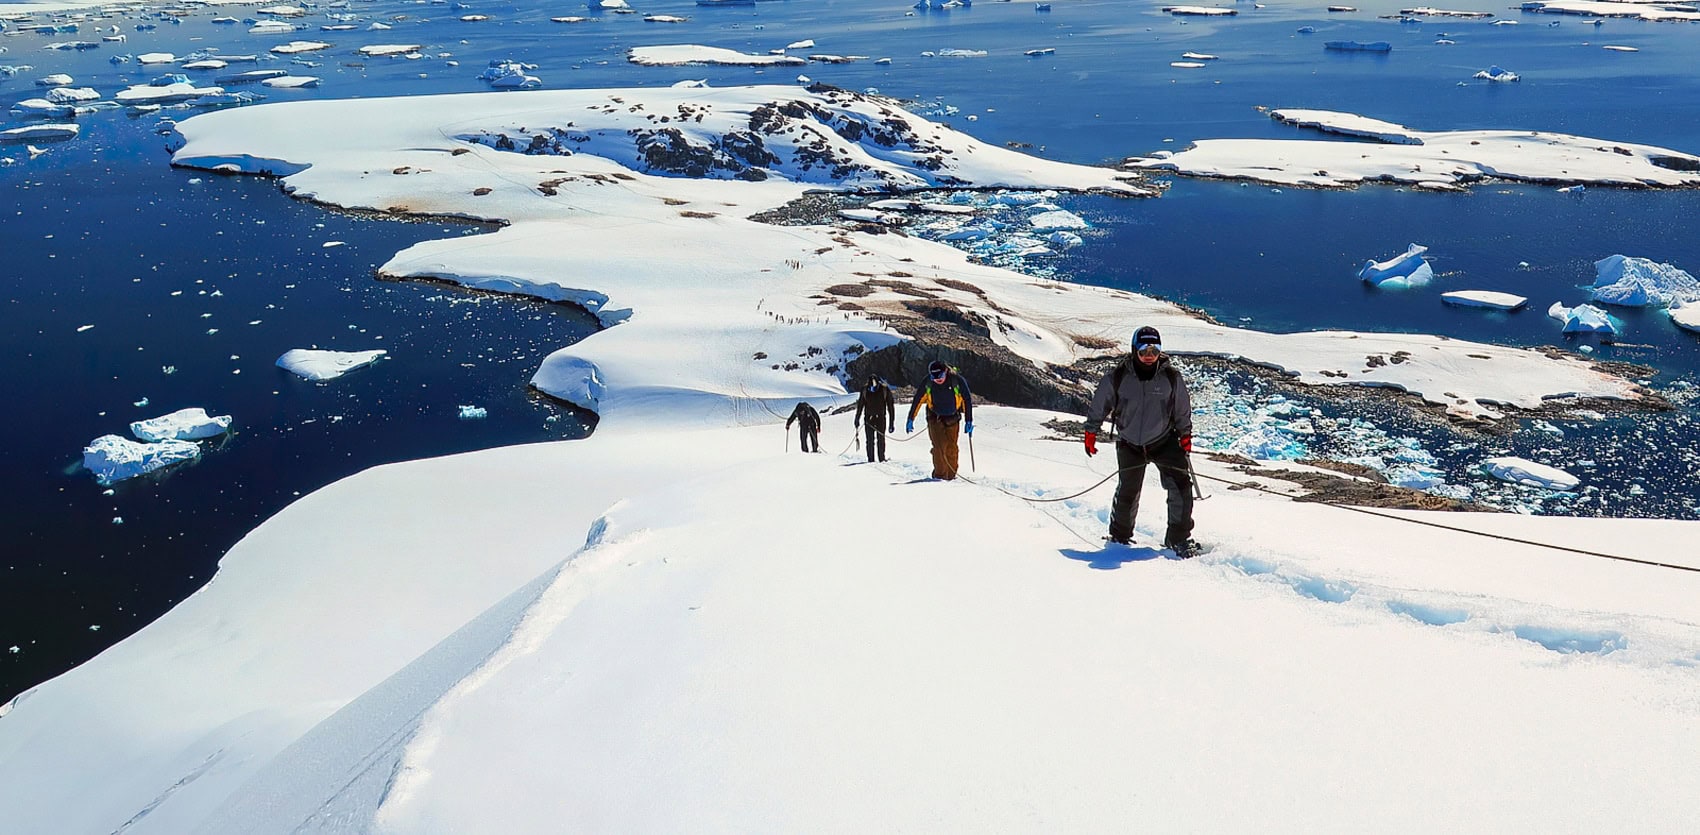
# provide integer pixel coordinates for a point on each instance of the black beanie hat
(937, 368)
(1146, 336)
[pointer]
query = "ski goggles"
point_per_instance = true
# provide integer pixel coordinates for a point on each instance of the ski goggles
(938, 376)
(1150, 348)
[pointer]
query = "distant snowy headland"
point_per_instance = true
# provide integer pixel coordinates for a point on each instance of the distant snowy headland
(1448, 160)
(635, 204)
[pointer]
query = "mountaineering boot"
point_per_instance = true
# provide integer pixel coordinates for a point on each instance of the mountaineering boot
(1185, 549)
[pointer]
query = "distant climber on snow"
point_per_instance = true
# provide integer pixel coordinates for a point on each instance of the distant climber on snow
(808, 426)
(880, 407)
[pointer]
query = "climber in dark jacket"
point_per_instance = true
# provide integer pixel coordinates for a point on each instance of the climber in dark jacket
(808, 426)
(948, 403)
(877, 402)
(1153, 425)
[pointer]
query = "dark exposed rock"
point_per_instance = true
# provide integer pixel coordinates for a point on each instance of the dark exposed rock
(1332, 489)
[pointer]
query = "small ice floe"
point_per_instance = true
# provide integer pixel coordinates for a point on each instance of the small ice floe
(868, 216)
(961, 53)
(1686, 317)
(329, 244)
(57, 79)
(1200, 11)
(882, 61)
(270, 27)
(665, 18)
(1575, 189)
(569, 19)
(151, 58)
(319, 365)
(803, 79)
(1583, 318)
(112, 458)
(510, 75)
(157, 93)
(1484, 298)
(1529, 473)
(1342, 8)
(1041, 7)
(297, 47)
(807, 44)
(1057, 219)
(1064, 239)
(292, 82)
(65, 131)
(1307, 30)
(473, 413)
(1505, 23)
(1642, 282)
(71, 95)
(690, 83)
(1616, 48)
(474, 18)
(250, 76)
(1498, 73)
(376, 50)
(1034, 53)
(1358, 46)
(378, 26)
(43, 108)
(1407, 270)
(182, 425)
(206, 64)
(1198, 56)
(140, 404)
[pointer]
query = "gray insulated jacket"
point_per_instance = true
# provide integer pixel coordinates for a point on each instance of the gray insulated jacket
(1145, 410)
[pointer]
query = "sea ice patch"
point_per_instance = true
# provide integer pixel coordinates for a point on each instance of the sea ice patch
(182, 425)
(1529, 473)
(318, 365)
(112, 458)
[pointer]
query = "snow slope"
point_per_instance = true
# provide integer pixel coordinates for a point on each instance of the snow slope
(687, 615)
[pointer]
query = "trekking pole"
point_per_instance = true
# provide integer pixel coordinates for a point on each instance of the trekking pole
(971, 454)
(1197, 491)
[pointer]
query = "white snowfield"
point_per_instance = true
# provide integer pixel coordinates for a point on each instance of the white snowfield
(512, 639)
(1428, 159)
(672, 260)
(1654, 11)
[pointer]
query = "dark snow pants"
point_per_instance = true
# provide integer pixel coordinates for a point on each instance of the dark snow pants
(1172, 473)
(876, 439)
(808, 437)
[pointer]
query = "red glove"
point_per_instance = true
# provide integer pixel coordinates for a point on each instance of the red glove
(1091, 443)
(1186, 443)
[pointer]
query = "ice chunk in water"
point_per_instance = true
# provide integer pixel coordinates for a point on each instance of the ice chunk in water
(181, 425)
(1583, 318)
(1642, 282)
(1407, 270)
(112, 458)
(473, 413)
(1530, 474)
(325, 365)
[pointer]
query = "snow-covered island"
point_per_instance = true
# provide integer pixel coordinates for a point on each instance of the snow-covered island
(1447, 160)
(557, 635)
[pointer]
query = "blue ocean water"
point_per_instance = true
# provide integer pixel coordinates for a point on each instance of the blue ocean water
(100, 231)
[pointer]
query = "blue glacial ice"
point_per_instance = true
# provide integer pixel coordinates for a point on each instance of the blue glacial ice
(1407, 270)
(1642, 282)
(1583, 318)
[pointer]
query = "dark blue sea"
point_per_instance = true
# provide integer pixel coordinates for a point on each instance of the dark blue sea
(214, 277)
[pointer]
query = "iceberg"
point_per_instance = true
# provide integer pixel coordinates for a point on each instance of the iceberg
(1498, 73)
(1484, 298)
(1583, 318)
(474, 413)
(112, 458)
(1529, 474)
(72, 95)
(318, 365)
(66, 131)
(1642, 282)
(182, 425)
(1407, 270)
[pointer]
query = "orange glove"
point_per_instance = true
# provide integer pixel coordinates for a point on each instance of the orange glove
(1091, 443)
(1186, 443)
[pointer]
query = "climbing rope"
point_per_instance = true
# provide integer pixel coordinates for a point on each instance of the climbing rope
(1364, 510)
